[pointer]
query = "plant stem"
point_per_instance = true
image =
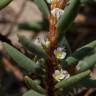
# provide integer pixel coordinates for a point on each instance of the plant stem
(52, 63)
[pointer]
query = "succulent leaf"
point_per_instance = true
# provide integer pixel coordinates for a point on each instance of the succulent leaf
(80, 53)
(23, 61)
(70, 12)
(88, 82)
(87, 63)
(43, 7)
(32, 47)
(33, 85)
(35, 26)
(32, 93)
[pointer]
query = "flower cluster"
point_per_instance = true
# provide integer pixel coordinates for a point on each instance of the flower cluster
(60, 75)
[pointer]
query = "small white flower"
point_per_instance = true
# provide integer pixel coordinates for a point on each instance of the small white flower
(59, 53)
(60, 75)
(57, 12)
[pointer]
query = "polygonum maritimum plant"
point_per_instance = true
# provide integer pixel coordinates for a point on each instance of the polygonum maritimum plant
(57, 71)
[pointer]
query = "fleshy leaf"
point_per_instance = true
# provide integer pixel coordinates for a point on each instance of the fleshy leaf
(81, 53)
(87, 63)
(70, 12)
(23, 61)
(35, 26)
(33, 85)
(43, 7)
(32, 93)
(32, 47)
(88, 82)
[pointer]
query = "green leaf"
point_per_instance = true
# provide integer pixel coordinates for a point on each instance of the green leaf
(88, 82)
(35, 26)
(4, 3)
(32, 47)
(33, 85)
(32, 93)
(23, 61)
(72, 80)
(43, 7)
(70, 12)
(87, 1)
(80, 53)
(86, 63)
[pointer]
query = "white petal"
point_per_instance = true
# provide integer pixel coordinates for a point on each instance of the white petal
(49, 1)
(57, 12)
(62, 77)
(57, 72)
(47, 43)
(60, 49)
(63, 55)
